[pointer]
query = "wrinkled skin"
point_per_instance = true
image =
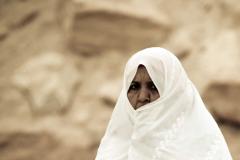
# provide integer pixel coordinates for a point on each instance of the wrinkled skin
(142, 89)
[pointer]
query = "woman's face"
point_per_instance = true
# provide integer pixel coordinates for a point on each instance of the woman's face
(142, 89)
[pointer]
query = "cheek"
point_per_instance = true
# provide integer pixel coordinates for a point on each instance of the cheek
(132, 97)
(154, 96)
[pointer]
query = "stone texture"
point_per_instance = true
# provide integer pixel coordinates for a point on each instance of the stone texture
(215, 59)
(109, 92)
(37, 146)
(99, 37)
(123, 32)
(26, 145)
(223, 100)
(48, 82)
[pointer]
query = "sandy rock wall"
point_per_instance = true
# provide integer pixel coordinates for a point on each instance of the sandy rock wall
(58, 107)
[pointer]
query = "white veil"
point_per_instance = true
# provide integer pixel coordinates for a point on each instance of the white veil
(177, 126)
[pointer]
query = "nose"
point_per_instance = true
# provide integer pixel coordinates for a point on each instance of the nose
(144, 97)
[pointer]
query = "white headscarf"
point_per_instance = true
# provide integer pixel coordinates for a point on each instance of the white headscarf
(176, 126)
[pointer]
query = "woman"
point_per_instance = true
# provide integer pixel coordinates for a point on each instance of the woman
(159, 115)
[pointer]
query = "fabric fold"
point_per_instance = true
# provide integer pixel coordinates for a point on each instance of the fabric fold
(176, 126)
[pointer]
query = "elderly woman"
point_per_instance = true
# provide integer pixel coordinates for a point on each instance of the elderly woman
(160, 115)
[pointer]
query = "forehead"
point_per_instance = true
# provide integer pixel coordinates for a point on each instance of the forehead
(142, 74)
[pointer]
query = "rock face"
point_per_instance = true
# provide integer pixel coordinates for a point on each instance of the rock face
(48, 82)
(23, 145)
(222, 99)
(122, 32)
(37, 146)
(90, 42)
(109, 92)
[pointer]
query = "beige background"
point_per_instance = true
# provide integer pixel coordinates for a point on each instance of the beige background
(61, 65)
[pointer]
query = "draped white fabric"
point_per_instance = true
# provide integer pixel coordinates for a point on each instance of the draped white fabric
(177, 126)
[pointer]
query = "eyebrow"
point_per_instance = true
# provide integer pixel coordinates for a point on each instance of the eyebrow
(138, 81)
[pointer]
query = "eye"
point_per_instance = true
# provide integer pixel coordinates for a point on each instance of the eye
(152, 86)
(134, 86)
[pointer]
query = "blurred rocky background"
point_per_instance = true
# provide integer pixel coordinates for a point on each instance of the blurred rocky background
(61, 66)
